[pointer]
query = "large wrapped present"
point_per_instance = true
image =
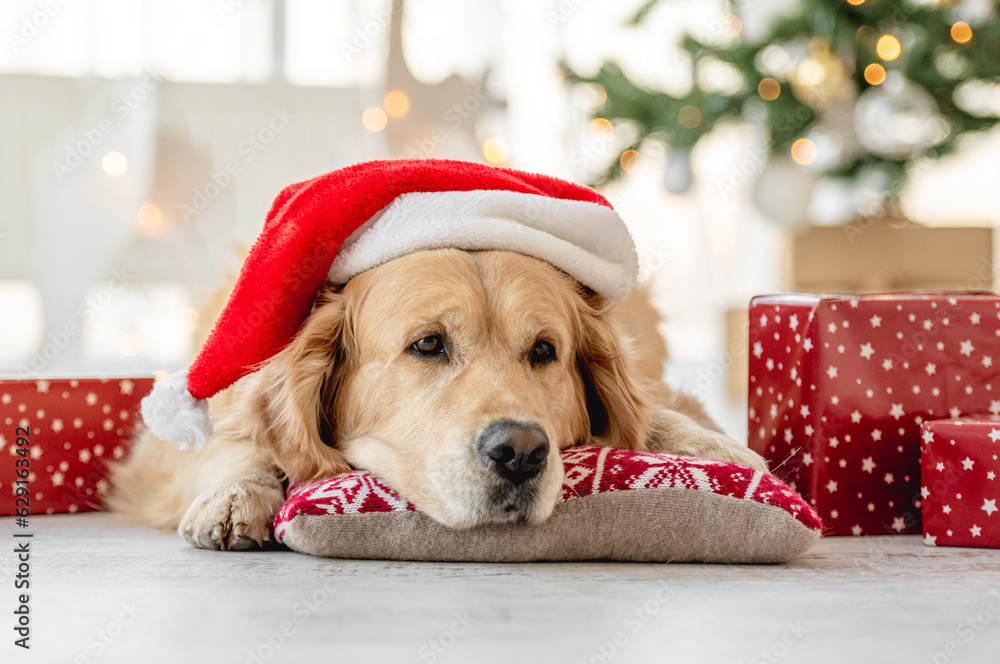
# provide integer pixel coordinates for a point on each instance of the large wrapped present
(839, 387)
(56, 437)
(960, 462)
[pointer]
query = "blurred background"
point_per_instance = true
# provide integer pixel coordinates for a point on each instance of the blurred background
(753, 146)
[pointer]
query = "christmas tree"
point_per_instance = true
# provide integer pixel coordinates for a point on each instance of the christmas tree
(855, 89)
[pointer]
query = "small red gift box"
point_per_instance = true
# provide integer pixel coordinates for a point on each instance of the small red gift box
(57, 435)
(839, 387)
(960, 462)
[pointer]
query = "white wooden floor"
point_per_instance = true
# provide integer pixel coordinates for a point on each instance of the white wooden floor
(102, 593)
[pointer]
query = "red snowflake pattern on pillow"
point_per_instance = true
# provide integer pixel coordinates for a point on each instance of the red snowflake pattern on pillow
(589, 471)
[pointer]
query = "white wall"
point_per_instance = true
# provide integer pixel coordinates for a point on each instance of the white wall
(69, 227)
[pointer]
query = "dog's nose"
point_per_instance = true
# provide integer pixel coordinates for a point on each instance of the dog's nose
(516, 451)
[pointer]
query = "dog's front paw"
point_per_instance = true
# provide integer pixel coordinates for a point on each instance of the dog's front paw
(719, 447)
(233, 516)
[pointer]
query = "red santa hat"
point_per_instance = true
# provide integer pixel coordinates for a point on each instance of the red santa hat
(338, 225)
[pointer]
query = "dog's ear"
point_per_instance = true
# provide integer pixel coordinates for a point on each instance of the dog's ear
(616, 405)
(295, 392)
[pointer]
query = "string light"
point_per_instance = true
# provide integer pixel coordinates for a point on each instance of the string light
(149, 216)
(769, 89)
(629, 160)
(875, 74)
(160, 375)
(804, 151)
(867, 34)
(734, 25)
(961, 32)
(496, 151)
(689, 117)
(601, 126)
(130, 344)
(598, 95)
(888, 47)
(374, 119)
(855, 2)
(396, 103)
(114, 163)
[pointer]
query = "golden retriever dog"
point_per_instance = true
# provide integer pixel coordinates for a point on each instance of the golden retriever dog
(457, 377)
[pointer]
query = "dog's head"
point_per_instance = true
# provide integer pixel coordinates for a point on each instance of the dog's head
(455, 376)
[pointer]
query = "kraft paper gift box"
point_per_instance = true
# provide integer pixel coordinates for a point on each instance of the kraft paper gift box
(879, 255)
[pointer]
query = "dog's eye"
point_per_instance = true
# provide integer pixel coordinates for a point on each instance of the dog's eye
(543, 352)
(430, 346)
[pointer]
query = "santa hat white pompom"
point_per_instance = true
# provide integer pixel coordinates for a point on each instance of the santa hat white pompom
(340, 224)
(172, 414)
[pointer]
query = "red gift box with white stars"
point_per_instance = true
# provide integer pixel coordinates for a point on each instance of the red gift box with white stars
(960, 462)
(75, 426)
(840, 385)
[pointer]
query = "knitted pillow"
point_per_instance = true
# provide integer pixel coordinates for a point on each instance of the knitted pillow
(615, 505)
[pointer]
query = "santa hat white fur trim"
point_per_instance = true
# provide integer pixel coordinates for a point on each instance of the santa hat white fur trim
(590, 242)
(173, 415)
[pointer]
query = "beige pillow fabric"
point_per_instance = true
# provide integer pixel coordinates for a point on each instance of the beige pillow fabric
(616, 505)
